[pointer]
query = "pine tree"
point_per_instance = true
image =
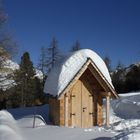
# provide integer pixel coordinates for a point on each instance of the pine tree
(133, 79)
(39, 94)
(120, 66)
(76, 46)
(24, 78)
(118, 78)
(108, 62)
(26, 66)
(53, 54)
(42, 62)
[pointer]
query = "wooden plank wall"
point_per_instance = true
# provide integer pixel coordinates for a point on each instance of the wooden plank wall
(99, 110)
(62, 109)
(54, 111)
(62, 115)
(69, 108)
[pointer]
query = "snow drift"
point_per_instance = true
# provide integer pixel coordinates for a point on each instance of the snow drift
(66, 68)
(8, 127)
(120, 129)
(125, 112)
(128, 106)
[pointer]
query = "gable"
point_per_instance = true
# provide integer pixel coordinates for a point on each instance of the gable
(90, 73)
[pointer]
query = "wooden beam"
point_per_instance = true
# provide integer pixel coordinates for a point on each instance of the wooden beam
(94, 71)
(101, 79)
(107, 110)
(66, 110)
(104, 94)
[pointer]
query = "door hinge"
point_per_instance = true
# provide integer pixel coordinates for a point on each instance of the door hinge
(91, 113)
(72, 96)
(90, 95)
(72, 114)
(84, 108)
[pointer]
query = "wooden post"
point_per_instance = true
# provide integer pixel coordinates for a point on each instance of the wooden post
(66, 110)
(107, 110)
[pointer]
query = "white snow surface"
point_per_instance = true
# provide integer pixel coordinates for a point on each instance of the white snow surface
(65, 70)
(129, 94)
(27, 121)
(39, 74)
(121, 128)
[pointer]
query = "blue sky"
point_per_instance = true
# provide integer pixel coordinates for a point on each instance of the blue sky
(109, 27)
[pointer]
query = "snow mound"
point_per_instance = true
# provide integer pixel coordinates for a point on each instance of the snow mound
(65, 70)
(125, 116)
(19, 113)
(8, 127)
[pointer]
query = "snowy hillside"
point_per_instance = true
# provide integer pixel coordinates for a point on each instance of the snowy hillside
(124, 115)
(6, 80)
(126, 70)
(9, 64)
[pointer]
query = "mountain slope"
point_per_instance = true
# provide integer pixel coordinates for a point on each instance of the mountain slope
(6, 74)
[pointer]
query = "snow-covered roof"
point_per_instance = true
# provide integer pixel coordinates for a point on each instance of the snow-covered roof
(66, 68)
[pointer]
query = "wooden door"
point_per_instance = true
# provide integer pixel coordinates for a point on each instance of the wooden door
(82, 105)
(87, 106)
(76, 105)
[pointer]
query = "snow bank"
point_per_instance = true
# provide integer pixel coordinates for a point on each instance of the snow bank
(8, 127)
(66, 68)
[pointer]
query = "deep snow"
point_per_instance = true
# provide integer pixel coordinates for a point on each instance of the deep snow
(8, 127)
(123, 127)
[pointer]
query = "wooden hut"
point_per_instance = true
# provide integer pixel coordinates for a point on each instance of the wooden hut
(80, 101)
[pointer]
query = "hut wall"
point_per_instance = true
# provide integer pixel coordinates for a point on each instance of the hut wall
(69, 109)
(99, 110)
(54, 111)
(62, 110)
(62, 115)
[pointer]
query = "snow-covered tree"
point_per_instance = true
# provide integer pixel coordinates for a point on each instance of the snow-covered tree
(42, 61)
(7, 48)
